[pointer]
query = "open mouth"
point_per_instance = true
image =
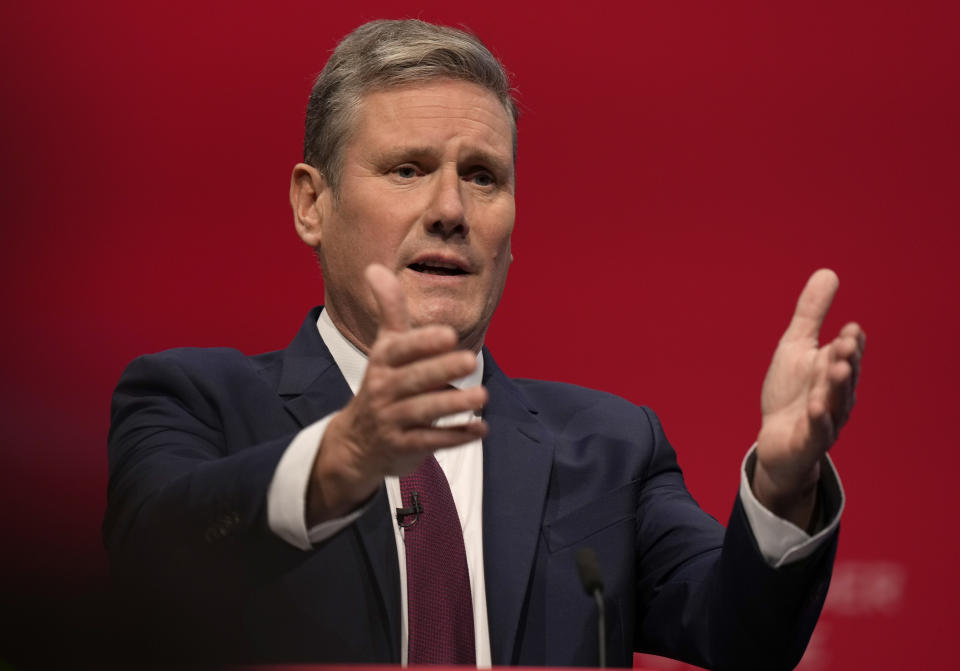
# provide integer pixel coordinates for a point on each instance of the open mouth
(434, 268)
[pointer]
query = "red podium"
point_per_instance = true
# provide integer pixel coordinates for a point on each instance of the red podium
(393, 667)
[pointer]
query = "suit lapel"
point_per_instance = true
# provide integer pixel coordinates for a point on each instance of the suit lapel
(313, 387)
(517, 460)
(310, 382)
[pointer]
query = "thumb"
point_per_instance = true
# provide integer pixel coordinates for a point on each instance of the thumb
(389, 296)
(813, 305)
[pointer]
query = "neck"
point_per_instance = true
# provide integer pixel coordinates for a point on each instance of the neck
(363, 336)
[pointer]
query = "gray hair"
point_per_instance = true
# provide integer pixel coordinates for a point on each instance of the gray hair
(384, 54)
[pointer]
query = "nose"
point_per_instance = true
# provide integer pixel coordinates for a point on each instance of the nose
(446, 216)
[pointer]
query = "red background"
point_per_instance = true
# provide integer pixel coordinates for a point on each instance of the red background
(682, 169)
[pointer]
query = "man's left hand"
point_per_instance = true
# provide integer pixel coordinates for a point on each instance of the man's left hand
(807, 396)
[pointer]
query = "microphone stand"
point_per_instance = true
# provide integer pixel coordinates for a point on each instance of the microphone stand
(590, 577)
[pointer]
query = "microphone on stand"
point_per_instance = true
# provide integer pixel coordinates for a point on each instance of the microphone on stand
(592, 583)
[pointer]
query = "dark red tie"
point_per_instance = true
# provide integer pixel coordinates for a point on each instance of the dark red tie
(439, 607)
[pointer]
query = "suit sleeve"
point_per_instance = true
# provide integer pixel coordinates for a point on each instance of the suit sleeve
(706, 595)
(185, 526)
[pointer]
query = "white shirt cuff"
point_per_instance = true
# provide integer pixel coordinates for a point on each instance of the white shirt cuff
(782, 542)
(287, 494)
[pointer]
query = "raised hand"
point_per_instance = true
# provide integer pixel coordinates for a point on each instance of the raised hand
(387, 428)
(807, 396)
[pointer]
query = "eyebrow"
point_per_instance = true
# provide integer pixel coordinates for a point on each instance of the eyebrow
(470, 159)
(493, 161)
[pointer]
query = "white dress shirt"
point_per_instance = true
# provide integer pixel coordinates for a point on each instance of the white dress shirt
(780, 541)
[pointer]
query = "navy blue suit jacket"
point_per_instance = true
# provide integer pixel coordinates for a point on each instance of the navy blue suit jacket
(197, 433)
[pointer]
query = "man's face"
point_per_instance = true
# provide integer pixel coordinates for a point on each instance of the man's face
(427, 190)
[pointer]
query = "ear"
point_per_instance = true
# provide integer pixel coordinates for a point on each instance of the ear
(308, 194)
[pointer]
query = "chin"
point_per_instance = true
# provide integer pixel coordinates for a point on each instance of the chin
(464, 322)
(451, 315)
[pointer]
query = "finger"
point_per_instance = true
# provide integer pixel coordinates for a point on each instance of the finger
(436, 438)
(855, 367)
(402, 348)
(841, 392)
(433, 373)
(853, 330)
(417, 444)
(425, 409)
(822, 432)
(819, 419)
(852, 349)
(818, 399)
(844, 347)
(389, 296)
(853, 359)
(812, 306)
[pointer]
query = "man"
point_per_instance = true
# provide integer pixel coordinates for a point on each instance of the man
(268, 508)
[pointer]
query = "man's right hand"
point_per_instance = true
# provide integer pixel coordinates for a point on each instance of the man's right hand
(387, 429)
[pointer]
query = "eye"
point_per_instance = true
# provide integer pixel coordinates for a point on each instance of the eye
(406, 171)
(481, 178)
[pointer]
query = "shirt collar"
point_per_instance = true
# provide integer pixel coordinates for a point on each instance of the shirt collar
(353, 363)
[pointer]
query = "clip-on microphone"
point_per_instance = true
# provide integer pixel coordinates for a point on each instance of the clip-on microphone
(414, 509)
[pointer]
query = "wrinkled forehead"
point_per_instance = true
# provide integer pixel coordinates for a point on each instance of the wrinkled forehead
(454, 115)
(404, 95)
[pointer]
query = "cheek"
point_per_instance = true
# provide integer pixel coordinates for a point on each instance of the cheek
(501, 245)
(368, 235)
(500, 264)
(499, 228)
(383, 224)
